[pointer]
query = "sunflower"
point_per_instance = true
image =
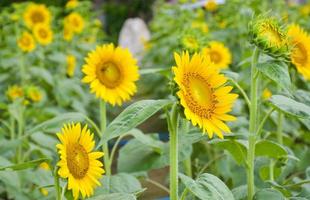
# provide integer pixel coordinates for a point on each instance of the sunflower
(211, 5)
(26, 42)
(300, 53)
(71, 62)
(43, 34)
(77, 161)
(68, 31)
(75, 21)
(219, 54)
(200, 25)
(266, 94)
(14, 92)
(190, 42)
(205, 99)
(36, 14)
(72, 4)
(269, 36)
(34, 94)
(112, 73)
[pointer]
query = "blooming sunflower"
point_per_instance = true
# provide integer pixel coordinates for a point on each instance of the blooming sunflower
(77, 161)
(75, 22)
(15, 92)
(36, 14)
(219, 54)
(68, 31)
(266, 94)
(269, 36)
(300, 53)
(71, 62)
(34, 94)
(211, 5)
(43, 34)
(72, 4)
(205, 99)
(112, 73)
(26, 42)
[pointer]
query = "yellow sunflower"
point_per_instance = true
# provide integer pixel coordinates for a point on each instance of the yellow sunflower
(201, 25)
(300, 53)
(68, 31)
(37, 14)
(77, 161)
(43, 34)
(75, 22)
(72, 4)
(26, 42)
(211, 5)
(219, 54)
(190, 42)
(71, 62)
(266, 94)
(202, 93)
(34, 94)
(15, 92)
(112, 73)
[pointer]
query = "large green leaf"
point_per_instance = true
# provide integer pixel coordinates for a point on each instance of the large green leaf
(114, 196)
(149, 141)
(270, 149)
(235, 147)
(207, 186)
(276, 71)
(25, 165)
(124, 183)
(269, 194)
(132, 116)
(290, 106)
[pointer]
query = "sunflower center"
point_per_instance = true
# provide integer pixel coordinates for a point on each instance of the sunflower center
(109, 74)
(300, 53)
(199, 95)
(25, 41)
(37, 17)
(215, 56)
(271, 35)
(77, 160)
(42, 33)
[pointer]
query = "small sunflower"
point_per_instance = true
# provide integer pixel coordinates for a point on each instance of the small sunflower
(201, 26)
(190, 42)
(202, 93)
(68, 32)
(71, 62)
(266, 94)
(34, 94)
(26, 42)
(43, 34)
(72, 4)
(112, 73)
(77, 161)
(269, 36)
(75, 22)
(211, 5)
(37, 14)
(300, 53)
(15, 92)
(219, 54)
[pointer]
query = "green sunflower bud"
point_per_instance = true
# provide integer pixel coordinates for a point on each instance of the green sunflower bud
(269, 36)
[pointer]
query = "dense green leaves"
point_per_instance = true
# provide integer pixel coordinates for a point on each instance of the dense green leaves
(269, 149)
(132, 116)
(269, 194)
(276, 71)
(114, 196)
(290, 106)
(25, 165)
(207, 186)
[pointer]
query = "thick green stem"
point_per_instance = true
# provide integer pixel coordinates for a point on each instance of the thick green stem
(252, 126)
(56, 184)
(173, 119)
(12, 127)
(279, 129)
(271, 171)
(20, 123)
(188, 167)
(105, 148)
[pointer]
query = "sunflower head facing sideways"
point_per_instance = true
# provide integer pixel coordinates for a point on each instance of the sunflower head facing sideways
(300, 52)
(26, 42)
(15, 92)
(75, 22)
(71, 62)
(269, 36)
(43, 34)
(77, 162)
(219, 54)
(205, 99)
(112, 73)
(36, 14)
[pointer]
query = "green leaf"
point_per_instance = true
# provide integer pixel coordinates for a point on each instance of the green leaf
(207, 186)
(269, 149)
(264, 172)
(114, 196)
(41, 73)
(6, 145)
(25, 165)
(240, 192)
(276, 71)
(124, 183)
(290, 106)
(269, 194)
(236, 148)
(132, 116)
(149, 141)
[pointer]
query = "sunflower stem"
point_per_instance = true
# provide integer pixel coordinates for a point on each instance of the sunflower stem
(279, 128)
(173, 120)
(105, 148)
(56, 184)
(252, 126)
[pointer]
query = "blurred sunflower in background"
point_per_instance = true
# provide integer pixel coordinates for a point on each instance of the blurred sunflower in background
(75, 22)
(43, 34)
(77, 162)
(112, 73)
(190, 42)
(34, 94)
(205, 100)
(26, 42)
(219, 54)
(72, 4)
(36, 14)
(71, 62)
(211, 5)
(300, 52)
(14, 92)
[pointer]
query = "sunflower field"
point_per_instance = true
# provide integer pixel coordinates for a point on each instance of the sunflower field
(155, 100)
